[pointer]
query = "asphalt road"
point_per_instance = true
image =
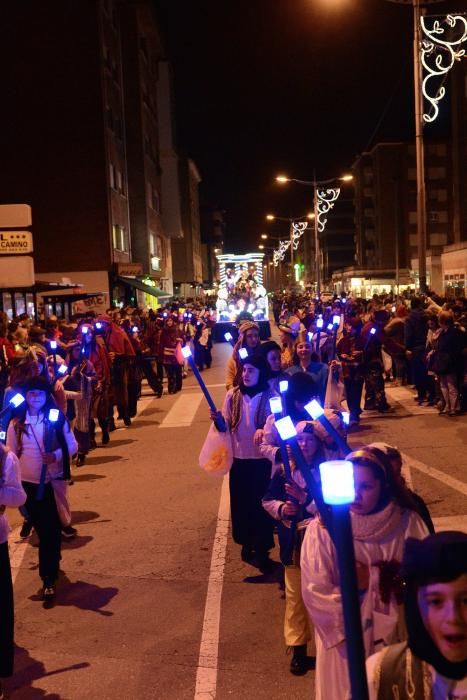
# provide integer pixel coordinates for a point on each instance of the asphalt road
(153, 601)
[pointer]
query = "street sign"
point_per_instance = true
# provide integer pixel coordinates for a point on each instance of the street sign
(15, 215)
(16, 271)
(15, 242)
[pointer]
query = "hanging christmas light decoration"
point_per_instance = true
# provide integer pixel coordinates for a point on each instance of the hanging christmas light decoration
(325, 202)
(439, 50)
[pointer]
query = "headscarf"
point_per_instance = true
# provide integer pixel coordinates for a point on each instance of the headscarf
(257, 361)
(441, 557)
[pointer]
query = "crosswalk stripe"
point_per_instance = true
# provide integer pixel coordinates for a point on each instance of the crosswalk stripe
(436, 474)
(183, 411)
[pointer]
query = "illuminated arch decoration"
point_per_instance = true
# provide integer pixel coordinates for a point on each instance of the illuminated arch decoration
(440, 48)
(279, 254)
(325, 202)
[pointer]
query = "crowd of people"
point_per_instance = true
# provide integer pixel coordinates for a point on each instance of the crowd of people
(60, 382)
(332, 354)
(76, 380)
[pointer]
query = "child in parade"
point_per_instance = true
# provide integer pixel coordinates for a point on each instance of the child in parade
(290, 504)
(41, 443)
(432, 663)
(245, 410)
(11, 494)
(249, 339)
(382, 519)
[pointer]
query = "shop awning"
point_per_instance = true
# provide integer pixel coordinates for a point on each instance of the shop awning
(154, 291)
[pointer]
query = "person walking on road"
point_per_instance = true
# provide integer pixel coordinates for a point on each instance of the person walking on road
(382, 519)
(44, 447)
(249, 340)
(13, 495)
(245, 410)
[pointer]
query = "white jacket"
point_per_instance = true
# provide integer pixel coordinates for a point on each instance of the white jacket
(11, 491)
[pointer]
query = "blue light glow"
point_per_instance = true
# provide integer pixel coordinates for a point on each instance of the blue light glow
(314, 409)
(63, 369)
(135, 329)
(53, 415)
(2, 435)
(372, 331)
(336, 320)
(98, 324)
(53, 344)
(275, 404)
(186, 352)
(16, 400)
(243, 352)
(345, 417)
(310, 336)
(330, 327)
(283, 386)
(319, 323)
(337, 481)
(228, 337)
(285, 428)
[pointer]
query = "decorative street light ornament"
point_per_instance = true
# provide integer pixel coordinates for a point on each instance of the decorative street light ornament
(298, 229)
(325, 202)
(440, 48)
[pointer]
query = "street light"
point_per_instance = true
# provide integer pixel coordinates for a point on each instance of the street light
(323, 201)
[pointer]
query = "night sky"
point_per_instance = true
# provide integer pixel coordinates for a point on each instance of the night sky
(264, 87)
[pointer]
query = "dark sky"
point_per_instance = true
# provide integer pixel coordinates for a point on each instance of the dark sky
(285, 86)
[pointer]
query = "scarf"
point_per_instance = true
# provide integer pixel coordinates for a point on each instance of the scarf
(262, 412)
(376, 526)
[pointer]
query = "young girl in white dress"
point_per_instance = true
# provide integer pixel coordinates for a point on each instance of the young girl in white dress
(383, 516)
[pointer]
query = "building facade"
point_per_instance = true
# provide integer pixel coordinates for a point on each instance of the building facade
(83, 147)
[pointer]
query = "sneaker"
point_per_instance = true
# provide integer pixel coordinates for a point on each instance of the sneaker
(48, 596)
(26, 529)
(69, 532)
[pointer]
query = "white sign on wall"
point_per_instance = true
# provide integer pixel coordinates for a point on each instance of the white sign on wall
(16, 271)
(15, 242)
(15, 216)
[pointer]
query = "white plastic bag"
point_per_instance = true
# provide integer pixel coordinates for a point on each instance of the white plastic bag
(216, 455)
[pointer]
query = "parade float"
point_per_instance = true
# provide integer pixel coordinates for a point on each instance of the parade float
(241, 293)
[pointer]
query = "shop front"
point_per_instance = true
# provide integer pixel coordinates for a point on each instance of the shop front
(454, 270)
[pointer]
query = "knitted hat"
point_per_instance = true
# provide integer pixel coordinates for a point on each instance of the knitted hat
(36, 384)
(246, 325)
(268, 346)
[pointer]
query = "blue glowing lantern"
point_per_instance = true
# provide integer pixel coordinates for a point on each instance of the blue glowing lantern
(243, 352)
(345, 417)
(314, 409)
(336, 319)
(16, 400)
(283, 386)
(372, 331)
(63, 369)
(337, 482)
(228, 336)
(319, 323)
(275, 404)
(53, 344)
(53, 415)
(186, 352)
(310, 336)
(285, 428)
(98, 325)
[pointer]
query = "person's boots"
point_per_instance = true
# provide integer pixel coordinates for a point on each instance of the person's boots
(299, 664)
(80, 460)
(105, 431)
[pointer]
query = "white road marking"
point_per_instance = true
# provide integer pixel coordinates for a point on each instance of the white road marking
(17, 548)
(206, 675)
(452, 522)
(436, 474)
(183, 411)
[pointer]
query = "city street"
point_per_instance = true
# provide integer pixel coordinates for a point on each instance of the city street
(153, 600)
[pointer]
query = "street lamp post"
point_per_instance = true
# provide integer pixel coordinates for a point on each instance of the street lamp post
(418, 12)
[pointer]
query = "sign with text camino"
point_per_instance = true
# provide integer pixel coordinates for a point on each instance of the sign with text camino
(15, 242)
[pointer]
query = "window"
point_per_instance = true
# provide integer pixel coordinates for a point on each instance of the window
(119, 181)
(111, 176)
(436, 173)
(120, 238)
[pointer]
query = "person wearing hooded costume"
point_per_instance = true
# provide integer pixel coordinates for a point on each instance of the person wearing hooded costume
(381, 522)
(245, 410)
(38, 441)
(249, 339)
(432, 663)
